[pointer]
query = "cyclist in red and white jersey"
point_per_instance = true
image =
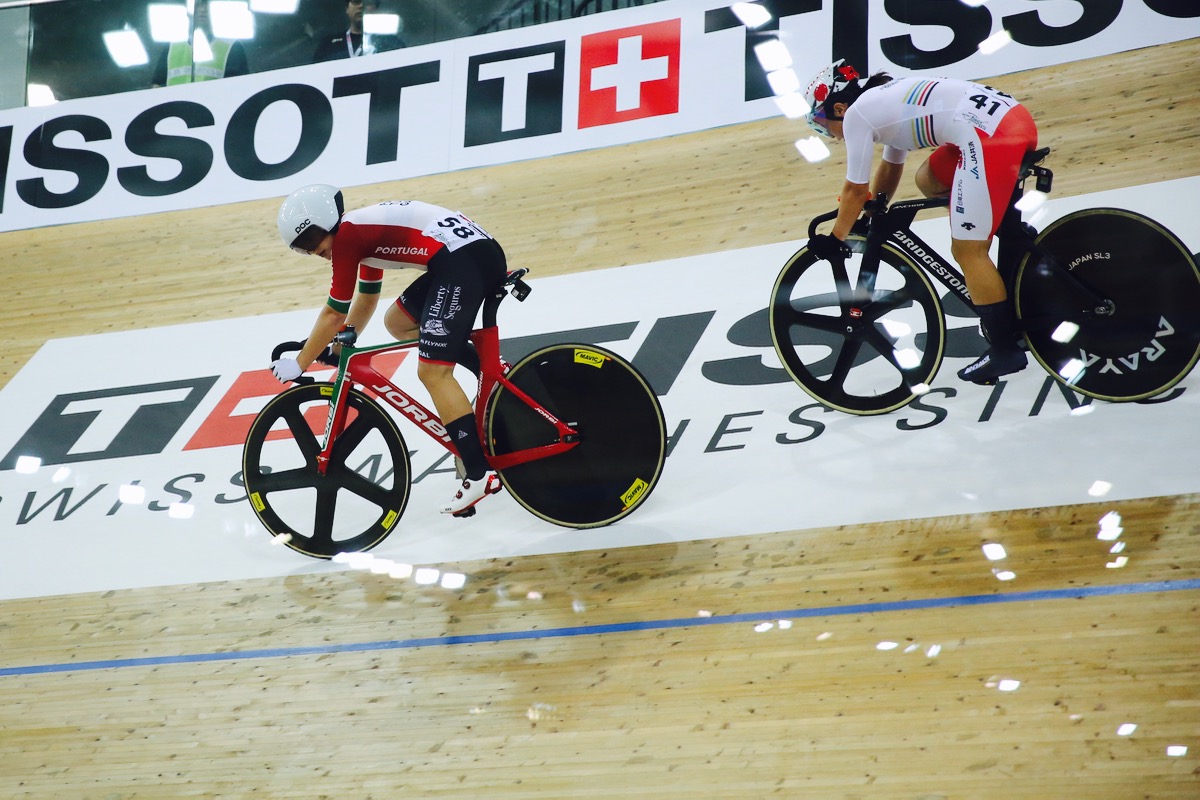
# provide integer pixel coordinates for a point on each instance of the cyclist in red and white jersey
(980, 135)
(461, 264)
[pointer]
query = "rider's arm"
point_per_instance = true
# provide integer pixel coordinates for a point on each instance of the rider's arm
(329, 321)
(850, 205)
(887, 178)
(361, 309)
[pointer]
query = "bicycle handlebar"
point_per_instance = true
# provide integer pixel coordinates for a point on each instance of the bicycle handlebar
(348, 336)
(286, 347)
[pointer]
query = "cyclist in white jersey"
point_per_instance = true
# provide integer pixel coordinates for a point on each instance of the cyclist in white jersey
(461, 264)
(980, 135)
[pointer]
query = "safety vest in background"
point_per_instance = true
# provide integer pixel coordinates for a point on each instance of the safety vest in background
(179, 62)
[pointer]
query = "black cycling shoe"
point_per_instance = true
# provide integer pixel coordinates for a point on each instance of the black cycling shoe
(992, 364)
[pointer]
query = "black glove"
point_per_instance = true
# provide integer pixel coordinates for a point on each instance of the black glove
(328, 357)
(829, 247)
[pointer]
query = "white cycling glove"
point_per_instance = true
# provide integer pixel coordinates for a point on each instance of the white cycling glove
(286, 370)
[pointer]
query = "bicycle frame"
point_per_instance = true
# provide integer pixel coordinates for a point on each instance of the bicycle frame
(354, 367)
(894, 224)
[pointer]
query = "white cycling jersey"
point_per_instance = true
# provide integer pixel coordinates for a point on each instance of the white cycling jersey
(915, 113)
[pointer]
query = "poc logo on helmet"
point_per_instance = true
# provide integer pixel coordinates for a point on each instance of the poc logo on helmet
(303, 225)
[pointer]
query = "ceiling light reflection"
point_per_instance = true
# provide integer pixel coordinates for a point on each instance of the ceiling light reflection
(1126, 729)
(886, 645)
(793, 105)
(168, 22)
(274, 6)
(1099, 488)
(773, 55)
(27, 465)
(1071, 370)
(1110, 527)
(39, 94)
(131, 494)
(426, 576)
(1008, 685)
(231, 19)
(994, 42)
(1005, 575)
(201, 50)
(181, 511)
(784, 81)
(1176, 750)
(381, 24)
(813, 149)
(126, 48)
(908, 358)
(1032, 201)
(752, 15)
(1065, 332)
(456, 580)
(994, 551)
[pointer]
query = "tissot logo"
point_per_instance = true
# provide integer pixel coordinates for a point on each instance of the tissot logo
(110, 423)
(629, 73)
(514, 94)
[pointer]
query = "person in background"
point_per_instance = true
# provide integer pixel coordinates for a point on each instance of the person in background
(177, 64)
(353, 42)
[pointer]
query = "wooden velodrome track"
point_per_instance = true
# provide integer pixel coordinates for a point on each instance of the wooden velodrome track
(698, 711)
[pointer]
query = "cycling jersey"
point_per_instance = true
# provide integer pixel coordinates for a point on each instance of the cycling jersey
(392, 235)
(984, 131)
(412, 234)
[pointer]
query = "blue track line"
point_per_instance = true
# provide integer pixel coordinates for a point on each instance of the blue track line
(622, 627)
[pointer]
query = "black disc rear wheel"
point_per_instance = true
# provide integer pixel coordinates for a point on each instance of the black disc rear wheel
(1144, 337)
(620, 423)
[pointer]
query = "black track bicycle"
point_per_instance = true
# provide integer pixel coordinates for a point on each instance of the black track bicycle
(575, 432)
(1107, 300)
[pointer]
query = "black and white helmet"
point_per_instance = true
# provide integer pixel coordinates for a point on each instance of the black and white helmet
(308, 214)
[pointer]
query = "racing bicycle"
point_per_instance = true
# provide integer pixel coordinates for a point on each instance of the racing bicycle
(575, 432)
(1107, 301)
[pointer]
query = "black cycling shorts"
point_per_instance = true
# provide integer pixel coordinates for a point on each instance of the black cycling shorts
(445, 300)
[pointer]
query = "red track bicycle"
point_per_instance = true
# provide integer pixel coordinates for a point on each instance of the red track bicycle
(575, 432)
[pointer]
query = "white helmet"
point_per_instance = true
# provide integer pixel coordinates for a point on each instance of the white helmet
(829, 81)
(308, 214)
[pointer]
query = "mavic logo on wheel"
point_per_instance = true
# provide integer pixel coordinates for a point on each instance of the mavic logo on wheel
(589, 357)
(634, 492)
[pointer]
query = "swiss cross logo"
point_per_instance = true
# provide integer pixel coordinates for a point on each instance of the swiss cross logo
(630, 73)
